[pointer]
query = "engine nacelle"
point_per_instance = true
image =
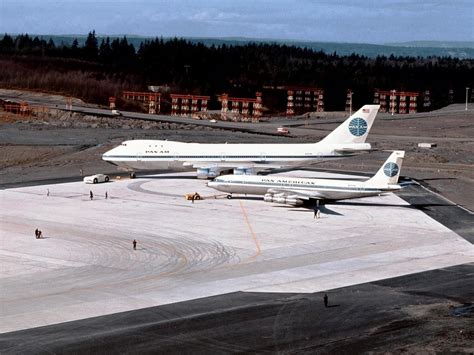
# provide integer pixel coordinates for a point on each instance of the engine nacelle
(268, 198)
(244, 171)
(207, 173)
(285, 200)
(281, 200)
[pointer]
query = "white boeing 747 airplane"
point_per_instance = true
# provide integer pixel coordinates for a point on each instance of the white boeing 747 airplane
(211, 160)
(296, 191)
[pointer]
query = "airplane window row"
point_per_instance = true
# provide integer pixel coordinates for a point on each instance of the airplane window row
(256, 157)
(305, 185)
(228, 156)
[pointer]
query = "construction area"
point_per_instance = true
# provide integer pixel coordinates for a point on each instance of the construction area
(299, 100)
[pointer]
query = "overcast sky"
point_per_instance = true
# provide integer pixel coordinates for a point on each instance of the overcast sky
(364, 21)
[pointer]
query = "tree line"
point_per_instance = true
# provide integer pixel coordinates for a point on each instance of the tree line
(102, 68)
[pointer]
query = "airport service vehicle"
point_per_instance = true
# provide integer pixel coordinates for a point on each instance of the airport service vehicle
(194, 196)
(297, 191)
(94, 179)
(211, 160)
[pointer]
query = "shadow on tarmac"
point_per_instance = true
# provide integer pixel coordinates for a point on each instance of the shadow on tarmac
(248, 198)
(168, 177)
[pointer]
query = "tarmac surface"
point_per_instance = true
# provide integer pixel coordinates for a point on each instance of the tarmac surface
(86, 267)
(419, 313)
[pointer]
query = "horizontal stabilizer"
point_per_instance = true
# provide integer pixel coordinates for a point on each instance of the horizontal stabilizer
(351, 150)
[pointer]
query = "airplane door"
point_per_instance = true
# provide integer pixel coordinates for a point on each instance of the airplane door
(222, 155)
(175, 156)
(139, 156)
(263, 157)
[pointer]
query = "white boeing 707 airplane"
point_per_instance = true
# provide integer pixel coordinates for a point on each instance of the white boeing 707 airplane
(211, 160)
(296, 191)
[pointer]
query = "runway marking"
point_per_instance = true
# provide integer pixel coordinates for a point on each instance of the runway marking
(137, 186)
(254, 236)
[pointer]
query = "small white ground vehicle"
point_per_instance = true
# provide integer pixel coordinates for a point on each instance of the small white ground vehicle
(283, 131)
(94, 179)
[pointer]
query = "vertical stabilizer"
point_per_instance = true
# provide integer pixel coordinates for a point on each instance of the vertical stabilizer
(390, 171)
(355, 129)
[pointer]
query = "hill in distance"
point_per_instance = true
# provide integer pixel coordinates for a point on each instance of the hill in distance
(464, 49)
(434, 44)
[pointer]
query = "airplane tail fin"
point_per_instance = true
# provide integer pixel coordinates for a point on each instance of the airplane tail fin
(390, 170)
(356, 128)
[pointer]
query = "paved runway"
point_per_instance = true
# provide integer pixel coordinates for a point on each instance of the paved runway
(86, 266)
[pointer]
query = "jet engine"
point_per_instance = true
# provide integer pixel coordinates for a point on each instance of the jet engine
(207, 173)
(244, 171)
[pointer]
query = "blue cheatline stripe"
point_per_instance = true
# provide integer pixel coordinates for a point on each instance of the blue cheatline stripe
(219, 156)
(304, 186)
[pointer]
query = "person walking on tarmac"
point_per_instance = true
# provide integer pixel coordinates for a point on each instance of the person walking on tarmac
(91, 195)
(134, 244)
(325, 298)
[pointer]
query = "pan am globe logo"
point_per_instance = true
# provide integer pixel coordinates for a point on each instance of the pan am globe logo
(358, 126)
(390, 169)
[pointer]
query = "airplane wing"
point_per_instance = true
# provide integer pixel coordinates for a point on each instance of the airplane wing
(229, 165)
(299, 194)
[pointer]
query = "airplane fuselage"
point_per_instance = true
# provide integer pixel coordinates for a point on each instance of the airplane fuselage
(328, 189)
(211, 160)
(178, 156)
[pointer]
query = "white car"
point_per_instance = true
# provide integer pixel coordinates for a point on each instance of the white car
(94, 179)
